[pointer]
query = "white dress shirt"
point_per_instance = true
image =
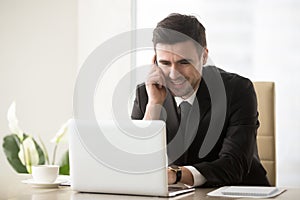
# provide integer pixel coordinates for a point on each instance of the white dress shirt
(199, 179)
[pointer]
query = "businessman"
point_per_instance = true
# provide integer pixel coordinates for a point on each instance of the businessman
(194, 101)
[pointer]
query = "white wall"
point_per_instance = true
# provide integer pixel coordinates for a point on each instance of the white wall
(100, 21)
(276, 57)
(43, 45)
(38, 62)
(257, 39)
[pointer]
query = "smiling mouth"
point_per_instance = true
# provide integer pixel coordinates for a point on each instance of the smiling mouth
(178, 85)
(178, 82)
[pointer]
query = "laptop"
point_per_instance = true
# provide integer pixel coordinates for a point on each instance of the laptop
(120, 157)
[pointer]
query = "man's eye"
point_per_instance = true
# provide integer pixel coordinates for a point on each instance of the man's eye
(165, 63)
(184, 62)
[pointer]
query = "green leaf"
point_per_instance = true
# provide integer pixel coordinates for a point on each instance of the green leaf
(11, 147)
(40, 153)
(25, 136)
(44, 150)
(64, 164)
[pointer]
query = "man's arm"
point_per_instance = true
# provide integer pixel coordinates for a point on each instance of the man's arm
(152, 98)
(139, 112)
(156, 91)
(238, 144)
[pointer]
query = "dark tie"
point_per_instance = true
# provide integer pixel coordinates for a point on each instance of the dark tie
(184, 108)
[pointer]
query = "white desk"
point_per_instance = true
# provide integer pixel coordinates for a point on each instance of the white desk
(18, 190)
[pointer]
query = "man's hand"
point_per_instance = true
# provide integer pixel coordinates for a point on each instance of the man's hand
(156, 90)
(186, 177)
(156, 86)
(171, 177)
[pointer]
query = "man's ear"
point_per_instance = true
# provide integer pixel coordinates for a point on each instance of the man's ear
(205, 56)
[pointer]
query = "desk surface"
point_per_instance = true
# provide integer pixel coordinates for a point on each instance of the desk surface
(66, 193)
(20, 190)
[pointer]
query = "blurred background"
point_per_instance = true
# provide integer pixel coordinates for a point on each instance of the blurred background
(43, 44)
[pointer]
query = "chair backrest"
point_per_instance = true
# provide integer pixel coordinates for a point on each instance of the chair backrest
(265, 92)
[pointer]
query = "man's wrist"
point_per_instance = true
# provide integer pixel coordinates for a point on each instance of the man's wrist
(178, 173)
(197, 177)
(152, 111)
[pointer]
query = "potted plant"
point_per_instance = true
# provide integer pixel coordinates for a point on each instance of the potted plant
(23, 151)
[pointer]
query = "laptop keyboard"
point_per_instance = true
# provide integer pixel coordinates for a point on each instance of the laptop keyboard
(176, 188)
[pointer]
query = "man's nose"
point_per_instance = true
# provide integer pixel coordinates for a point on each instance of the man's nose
(174, 74)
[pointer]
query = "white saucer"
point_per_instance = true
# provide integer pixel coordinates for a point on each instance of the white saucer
(33, 183)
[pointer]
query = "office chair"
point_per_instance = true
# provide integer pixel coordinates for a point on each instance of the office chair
(265, 92)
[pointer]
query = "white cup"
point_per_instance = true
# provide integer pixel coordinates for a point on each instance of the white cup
(45, 173)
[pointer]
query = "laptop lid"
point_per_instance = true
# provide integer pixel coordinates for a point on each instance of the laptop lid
(127, 157)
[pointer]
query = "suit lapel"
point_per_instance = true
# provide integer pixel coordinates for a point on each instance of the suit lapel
(200, 108)
(203, 100)
(172, 118)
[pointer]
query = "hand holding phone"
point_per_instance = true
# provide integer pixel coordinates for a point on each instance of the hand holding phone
(156, 84)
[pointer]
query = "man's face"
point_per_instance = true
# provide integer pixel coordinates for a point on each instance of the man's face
(181, 65)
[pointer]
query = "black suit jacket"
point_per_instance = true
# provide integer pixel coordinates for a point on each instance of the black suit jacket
(226, 107)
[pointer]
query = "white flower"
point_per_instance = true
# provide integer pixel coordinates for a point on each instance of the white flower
(13, 122)
(31, 154)
(61, 135)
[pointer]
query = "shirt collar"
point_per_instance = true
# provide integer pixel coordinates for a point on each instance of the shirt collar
(190, 99)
